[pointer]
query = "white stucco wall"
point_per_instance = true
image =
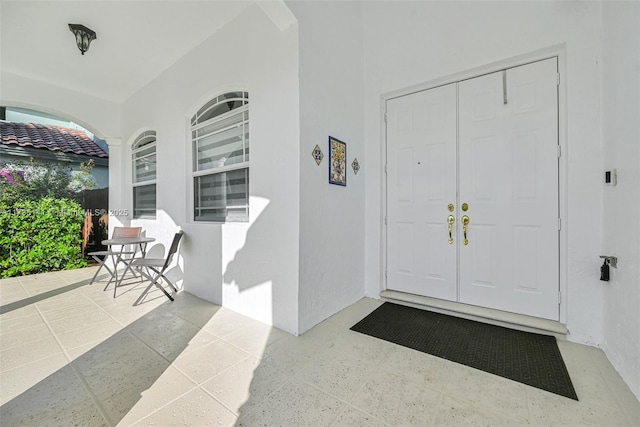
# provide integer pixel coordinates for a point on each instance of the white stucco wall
(621, 208)
(97, 115)
(408, 43)
(249, 267)
(331, 216)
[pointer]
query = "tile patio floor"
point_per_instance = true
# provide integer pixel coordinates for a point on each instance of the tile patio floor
(71, 354)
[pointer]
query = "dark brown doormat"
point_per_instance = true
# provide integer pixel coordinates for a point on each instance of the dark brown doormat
(529, 358)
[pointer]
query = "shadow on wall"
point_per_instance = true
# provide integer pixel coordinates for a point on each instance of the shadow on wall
(258, 267)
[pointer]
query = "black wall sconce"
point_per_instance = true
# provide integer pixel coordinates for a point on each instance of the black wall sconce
(84, 36)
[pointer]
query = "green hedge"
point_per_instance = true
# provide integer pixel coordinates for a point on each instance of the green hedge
(40, 235)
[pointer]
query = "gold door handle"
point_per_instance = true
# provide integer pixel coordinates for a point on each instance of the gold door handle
(465, 222)
(451, 220)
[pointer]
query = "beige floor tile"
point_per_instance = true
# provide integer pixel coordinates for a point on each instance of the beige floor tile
(14, 338)
(18, 380)
(489, 391)
(58, 395)
(195, 310)
(621, 392)
(88, 334)
(17, 312)
(295, 404)
(47, 289)
(79, 321)
(221, 326)
(165, 332)
(27, 353)
(196, 408)
(351, 315)
(577, 358)
(62, 313)
(337, 374)
(245, 385)
(84, 414)
(144, 368)
(420, 367)
(255, 337)
(397, 401)
(591, 388)
(169, 386)
(125, 314)
(352, 417)
(65, 304)
(453, 412)
(549, 409)
(364, 347)
(12, 292)
(15, 323)
(76, 352)
(291, 354)
(120, 363)
(10, 281)
(208, 361)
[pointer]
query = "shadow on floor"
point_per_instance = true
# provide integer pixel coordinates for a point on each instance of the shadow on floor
(102, 385)
(45, 295)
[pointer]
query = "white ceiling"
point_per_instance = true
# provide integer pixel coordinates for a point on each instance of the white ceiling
(136, 40)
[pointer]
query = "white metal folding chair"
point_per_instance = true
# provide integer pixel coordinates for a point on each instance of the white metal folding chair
(118, 232)
(154, 269)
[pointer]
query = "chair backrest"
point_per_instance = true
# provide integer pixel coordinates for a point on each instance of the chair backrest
(173, 249)
(126, 232)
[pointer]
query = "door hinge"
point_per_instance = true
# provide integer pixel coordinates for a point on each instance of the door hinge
(385, 274)
(559, 151)
(385, 168)
(558, 79)
(559, 298)
(385, 220)
(559, 224)
(385, 117)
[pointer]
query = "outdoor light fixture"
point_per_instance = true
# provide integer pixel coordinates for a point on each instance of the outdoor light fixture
(84, 36)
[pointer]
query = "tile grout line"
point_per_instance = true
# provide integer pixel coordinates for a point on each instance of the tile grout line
(606, 379)
(163, 406)
(357, 391)
(70, 363)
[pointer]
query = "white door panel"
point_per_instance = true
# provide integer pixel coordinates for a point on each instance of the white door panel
(421, 182)
(461, 143)
(509, 177)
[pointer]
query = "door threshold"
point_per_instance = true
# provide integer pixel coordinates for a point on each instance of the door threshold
(480, 314)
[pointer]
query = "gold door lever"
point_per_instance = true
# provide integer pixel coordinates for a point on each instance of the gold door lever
(451, 220)
(465, 222)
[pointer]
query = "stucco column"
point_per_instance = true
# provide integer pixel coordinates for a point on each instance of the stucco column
(117, 191)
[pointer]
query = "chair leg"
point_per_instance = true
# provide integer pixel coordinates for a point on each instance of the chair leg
(154, 281)
(170, 283)
(102, 264)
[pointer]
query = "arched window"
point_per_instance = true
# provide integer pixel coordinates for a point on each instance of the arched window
(143, 159)
(220, 153)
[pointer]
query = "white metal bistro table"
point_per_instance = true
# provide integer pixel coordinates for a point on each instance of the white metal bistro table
(116, 256)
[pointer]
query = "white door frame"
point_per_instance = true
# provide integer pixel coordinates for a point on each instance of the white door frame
(558, 51)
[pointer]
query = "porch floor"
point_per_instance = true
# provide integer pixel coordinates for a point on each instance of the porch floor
(71, 354)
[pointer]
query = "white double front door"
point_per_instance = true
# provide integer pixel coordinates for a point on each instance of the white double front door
(482, 151)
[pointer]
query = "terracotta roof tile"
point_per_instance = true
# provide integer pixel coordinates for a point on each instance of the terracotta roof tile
(54, 138)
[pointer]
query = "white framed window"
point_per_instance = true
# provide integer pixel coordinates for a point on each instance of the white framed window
(143, 161)
(220, 159)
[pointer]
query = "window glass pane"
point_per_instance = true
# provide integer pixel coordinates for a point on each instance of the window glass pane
(144, 152)
(148, 137)
(222, 196)
(220, 105)
(144, 169)
(219, 149)
(217, 125)
(144, 201)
